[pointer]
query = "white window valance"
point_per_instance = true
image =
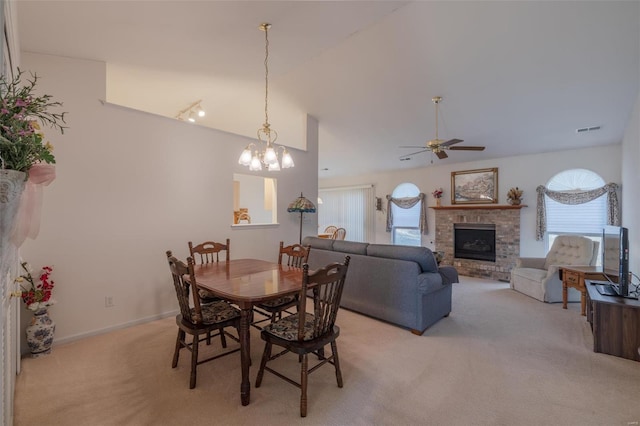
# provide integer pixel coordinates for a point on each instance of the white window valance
(573, 198)
(407, 203)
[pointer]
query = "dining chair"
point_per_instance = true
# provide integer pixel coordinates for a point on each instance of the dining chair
(200, 319)
(209, 252)
(330, 229)
(339, 234)
(310, 335)
(296, 255)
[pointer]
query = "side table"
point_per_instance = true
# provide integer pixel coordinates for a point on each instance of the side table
(574, 276)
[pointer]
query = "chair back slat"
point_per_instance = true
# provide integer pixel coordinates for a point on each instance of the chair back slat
(209, 251)
(330, 229)
(339, 234)
(296, 254)
(182, 276)
(326, 285)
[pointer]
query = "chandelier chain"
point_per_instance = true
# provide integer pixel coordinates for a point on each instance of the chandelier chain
(266, 76)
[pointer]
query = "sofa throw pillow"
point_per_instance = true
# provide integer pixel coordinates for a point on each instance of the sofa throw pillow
(421, 255)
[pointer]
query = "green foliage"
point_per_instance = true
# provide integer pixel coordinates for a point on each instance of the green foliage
(21, 141)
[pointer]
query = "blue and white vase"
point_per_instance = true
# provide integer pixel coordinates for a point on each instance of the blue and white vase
(40, 333)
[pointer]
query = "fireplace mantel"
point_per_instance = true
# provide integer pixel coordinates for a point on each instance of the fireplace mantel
(480, 207)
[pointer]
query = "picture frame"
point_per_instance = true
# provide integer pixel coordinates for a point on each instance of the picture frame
(478, 186)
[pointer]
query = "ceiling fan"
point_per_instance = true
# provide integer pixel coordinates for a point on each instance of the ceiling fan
(438, 146)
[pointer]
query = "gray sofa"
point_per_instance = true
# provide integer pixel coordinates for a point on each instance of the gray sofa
(398, 284)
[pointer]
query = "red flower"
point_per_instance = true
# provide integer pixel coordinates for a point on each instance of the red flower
(34, 295)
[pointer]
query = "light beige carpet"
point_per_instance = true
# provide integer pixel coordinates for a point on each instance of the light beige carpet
(500, 358)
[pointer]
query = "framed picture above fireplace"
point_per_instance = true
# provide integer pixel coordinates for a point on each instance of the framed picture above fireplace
(474, 186)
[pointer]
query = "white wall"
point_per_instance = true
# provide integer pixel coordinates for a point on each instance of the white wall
(131, 185)
(526, 172)
(631, 186)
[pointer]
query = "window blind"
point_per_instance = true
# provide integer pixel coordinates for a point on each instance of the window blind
(351, 208)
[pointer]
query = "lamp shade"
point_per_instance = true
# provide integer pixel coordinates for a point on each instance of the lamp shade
(301, 205)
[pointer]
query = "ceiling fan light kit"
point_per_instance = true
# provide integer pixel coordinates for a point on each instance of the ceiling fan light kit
(267, 155)
(438, 146)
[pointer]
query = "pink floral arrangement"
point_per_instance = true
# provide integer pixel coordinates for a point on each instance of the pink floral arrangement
(36, 296)
(437, 193)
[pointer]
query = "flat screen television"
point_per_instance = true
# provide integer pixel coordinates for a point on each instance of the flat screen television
(615, 258)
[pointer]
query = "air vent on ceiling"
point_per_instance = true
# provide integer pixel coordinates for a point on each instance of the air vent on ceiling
(588, 129)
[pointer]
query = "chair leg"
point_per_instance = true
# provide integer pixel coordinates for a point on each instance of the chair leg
(223, 338)
(303, 385)
(336, 362)
(194, 361)
(265, 357)
(208, 337)
(176, 354)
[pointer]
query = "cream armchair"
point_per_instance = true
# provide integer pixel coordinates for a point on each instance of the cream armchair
(538, 276)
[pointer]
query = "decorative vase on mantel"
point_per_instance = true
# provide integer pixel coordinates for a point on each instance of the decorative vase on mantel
(438, 202)
(515, 201)
(40, 333)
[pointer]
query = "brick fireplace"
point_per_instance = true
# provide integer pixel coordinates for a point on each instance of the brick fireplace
(506, 221)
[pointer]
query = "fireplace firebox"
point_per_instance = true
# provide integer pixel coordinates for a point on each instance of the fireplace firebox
(475, 241)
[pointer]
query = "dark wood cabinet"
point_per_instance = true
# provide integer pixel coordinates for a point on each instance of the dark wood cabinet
(615, 322)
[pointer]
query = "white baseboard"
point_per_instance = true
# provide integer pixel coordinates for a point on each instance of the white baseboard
(114, 327)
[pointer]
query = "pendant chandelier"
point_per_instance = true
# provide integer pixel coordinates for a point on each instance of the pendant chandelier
(267, 153)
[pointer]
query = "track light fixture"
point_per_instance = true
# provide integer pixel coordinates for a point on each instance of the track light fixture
(191, 112)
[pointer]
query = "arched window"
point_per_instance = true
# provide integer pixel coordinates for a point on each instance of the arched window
(586, 219)
(406, 222)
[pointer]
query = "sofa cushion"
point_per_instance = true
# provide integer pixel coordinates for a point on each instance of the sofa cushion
(421, 255)
(321, 243)
(350, 247)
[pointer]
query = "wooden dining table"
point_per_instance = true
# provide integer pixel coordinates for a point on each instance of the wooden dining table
(246, 282)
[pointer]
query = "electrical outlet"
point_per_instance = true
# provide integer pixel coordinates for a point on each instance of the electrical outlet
(108, 302)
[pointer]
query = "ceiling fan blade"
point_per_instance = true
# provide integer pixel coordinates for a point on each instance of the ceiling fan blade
(441, 155)
(412, 146)
(451, 142)
(413, 153)
(466, 148)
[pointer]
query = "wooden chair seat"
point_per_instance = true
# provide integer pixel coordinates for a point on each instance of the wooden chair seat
(217, 312)
(277, 303)
(287, 328)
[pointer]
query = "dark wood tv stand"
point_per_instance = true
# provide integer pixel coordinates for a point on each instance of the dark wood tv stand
(615, 322)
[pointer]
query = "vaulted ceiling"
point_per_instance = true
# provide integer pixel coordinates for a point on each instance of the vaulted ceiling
(517, 77)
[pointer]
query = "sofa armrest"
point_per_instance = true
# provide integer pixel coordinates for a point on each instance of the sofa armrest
(449, 275)
(530, 262)
(553, 270)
